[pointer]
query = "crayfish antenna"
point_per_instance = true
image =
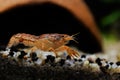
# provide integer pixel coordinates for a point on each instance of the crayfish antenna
(75, 40)
(73, 36)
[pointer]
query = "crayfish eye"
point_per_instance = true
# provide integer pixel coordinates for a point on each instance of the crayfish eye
(62, 36)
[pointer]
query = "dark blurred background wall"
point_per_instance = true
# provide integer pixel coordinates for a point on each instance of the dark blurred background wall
(107, 14)
(49, 18)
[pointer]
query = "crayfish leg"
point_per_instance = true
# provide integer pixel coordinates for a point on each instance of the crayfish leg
(71, 52)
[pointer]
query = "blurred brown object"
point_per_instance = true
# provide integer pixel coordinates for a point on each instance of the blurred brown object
(76, 7)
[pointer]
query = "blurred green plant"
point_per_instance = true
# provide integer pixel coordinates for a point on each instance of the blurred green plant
(111, 18)
(111, 22)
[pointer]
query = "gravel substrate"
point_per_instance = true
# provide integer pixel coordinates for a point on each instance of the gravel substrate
(86, 67)
(10, 70)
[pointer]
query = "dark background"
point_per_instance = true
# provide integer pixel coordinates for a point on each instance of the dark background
(48, 18)
(101, 9)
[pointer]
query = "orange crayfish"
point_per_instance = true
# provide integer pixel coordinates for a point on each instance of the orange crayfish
(47, 42)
